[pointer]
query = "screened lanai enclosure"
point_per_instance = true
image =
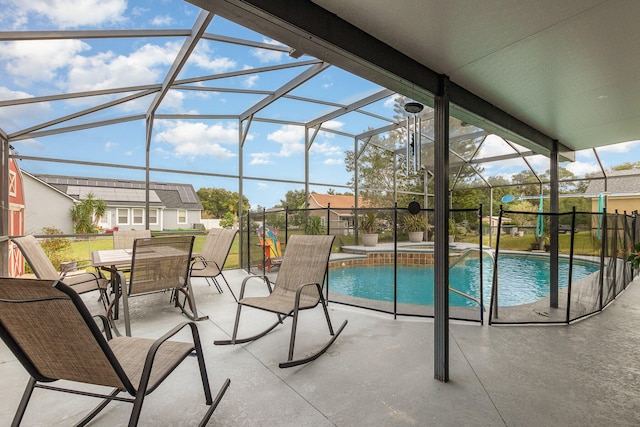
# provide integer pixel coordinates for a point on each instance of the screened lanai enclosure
(196, 98)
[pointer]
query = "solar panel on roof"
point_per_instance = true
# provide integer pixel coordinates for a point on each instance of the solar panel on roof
(186, 196)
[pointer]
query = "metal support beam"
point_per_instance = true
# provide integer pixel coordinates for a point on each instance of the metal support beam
(554, 207)
(4, 203)
(285, 89)
(441, 245)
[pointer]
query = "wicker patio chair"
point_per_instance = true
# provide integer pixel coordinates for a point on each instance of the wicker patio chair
(210, 261)
(298, 287)
(158, 264)
(44, 269)
(123, 239)
(49, 329)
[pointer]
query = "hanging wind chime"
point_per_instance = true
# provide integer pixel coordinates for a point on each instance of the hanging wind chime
(414, 137)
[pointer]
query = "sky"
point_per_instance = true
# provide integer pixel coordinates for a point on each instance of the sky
(273, 149)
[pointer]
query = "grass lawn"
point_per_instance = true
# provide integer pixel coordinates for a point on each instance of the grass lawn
(81, 249)
(584, 243)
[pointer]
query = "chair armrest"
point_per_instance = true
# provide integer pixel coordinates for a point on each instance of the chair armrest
(105, 325)
(202, 260)
(253, 276)
(151, 354)
(301, 288)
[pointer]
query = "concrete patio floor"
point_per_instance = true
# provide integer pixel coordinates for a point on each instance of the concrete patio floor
(379, 372)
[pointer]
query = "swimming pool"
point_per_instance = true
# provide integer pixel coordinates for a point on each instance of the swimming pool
(522, 279)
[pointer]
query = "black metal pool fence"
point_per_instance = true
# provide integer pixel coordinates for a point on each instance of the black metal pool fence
(602, 239)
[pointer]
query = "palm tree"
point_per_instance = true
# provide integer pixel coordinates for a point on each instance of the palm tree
(86, 214)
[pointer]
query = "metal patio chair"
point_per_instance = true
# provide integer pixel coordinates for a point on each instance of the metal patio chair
(298, 287)
(49, 329)
(210, 261)
(123, 239)
(158, 264)
(44, 269)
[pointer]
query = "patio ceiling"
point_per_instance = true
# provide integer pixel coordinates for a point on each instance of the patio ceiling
(564, 69)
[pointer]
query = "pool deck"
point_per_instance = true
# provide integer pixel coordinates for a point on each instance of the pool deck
(380, 372)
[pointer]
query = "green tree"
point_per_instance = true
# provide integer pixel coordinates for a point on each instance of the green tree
(86, 214)
(218, 201)
(227, 220)
(293, 199)
(376, 167)
(626, 166)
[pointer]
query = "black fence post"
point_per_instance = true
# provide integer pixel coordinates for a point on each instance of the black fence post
(493, 305)
(480, 252)
(328, 218)
(395, 260)
(602, 255)
(248, 242)
(569, 278)
(264, 240)
(286, 224)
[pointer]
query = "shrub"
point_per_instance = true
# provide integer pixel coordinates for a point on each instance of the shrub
(413, 223)
(58, 249)
(314, 226)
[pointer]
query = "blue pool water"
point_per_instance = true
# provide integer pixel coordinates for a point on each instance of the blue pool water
(522, 279)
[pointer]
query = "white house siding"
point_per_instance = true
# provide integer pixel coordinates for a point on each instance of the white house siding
(45, 208)
(170, 219)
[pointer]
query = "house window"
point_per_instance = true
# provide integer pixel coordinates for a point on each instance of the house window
(153, 216)
(123, 216)
(12, 183)
(137, 215)
(182, 216)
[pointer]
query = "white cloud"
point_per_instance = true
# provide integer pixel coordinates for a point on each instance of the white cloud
(331, 162)
(65, 13)
(326, 149)
(162, 21)
(28, 143)
(262, 186)
(61, 62)
(261, 159)
(390, 102)
(580, 169)
(291, 139)
(188, 139)
(28, 61)
(494, 146)
(333, 125)
(13, 118)
(623, 147)
(108, 70)
(110, 145)
(266, 55)
(203, 57)
(250, 81)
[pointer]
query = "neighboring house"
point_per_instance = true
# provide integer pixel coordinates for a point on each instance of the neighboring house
(341, 210)
(45, 206)
(622, 193)
(16, 218)
(171, 206)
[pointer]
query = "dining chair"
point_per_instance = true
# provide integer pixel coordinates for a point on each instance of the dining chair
(42, 267)
(123, 239)
(47, 326)
(210, 261)
(158, 264)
